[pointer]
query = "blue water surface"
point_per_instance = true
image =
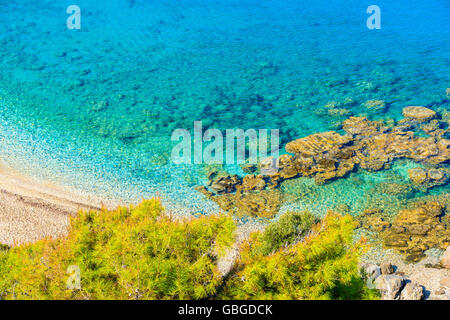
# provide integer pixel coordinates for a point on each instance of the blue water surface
(94, 108)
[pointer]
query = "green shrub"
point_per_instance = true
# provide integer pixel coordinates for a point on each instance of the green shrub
(141, 253)
(128, 253)
(290, 228)
(322, 266)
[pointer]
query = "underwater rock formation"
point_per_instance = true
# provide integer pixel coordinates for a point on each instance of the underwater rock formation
(375, 105)
(424, 179)
(419, 113)
(418, 229)
(265, 203)
(366, 144)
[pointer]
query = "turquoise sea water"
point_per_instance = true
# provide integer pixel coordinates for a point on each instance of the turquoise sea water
(94, 108)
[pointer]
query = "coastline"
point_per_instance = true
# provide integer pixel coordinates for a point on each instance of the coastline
(31, 209)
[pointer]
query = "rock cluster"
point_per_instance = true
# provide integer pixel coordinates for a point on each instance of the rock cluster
(421, 114)
(242, 197)
(376, 105)
(418, 229)
(368, 145)
(427, 178)
(329, 155)
(392, 285)
(264, 204)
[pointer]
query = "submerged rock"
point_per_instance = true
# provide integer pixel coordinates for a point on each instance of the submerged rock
(317, 144)
(366, 145)
(418, 229)
(424, 179)
(225, 184)
(249, 168)
(421, 114)
(264, 203)
(417, 175)
(252, 182)
(375, 105)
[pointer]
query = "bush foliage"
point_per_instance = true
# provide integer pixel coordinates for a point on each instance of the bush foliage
(322, 266)
(141, 253)
(290, 228)
(128, 253)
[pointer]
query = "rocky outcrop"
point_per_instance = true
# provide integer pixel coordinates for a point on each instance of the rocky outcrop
(249, 168)
(317, 144)
(368, 145)
(329, 155)
(386, 268)
(412, 291)
(418, 113)
(418, 229)
(424, 179)
(265, 203)
(392, 285)
(225, 184)
(418, 176)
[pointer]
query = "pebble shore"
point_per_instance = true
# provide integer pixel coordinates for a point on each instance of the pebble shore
(31, 210)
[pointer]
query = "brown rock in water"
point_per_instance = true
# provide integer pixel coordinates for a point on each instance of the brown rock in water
(436, 174)
(430, 127)
(249, 168)
(268, 166)
(252, 182)
(372, 147)
(421, 114)
(375, 105)
(225, 184)
(344, 167)
(321, 178)
(425, 179)
(360, 126)
(338, 112)
(444, 152)
(288, 166)
(368, 145)
(316, 144)
(418, 175)
(273, 180)
(376, 223)
(372, 211)
(264, 203)
(418, 229)
(423, 149)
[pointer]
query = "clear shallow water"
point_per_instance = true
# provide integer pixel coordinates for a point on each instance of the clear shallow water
(95, 108)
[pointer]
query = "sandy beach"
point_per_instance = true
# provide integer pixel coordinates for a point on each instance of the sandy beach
(31, 210)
